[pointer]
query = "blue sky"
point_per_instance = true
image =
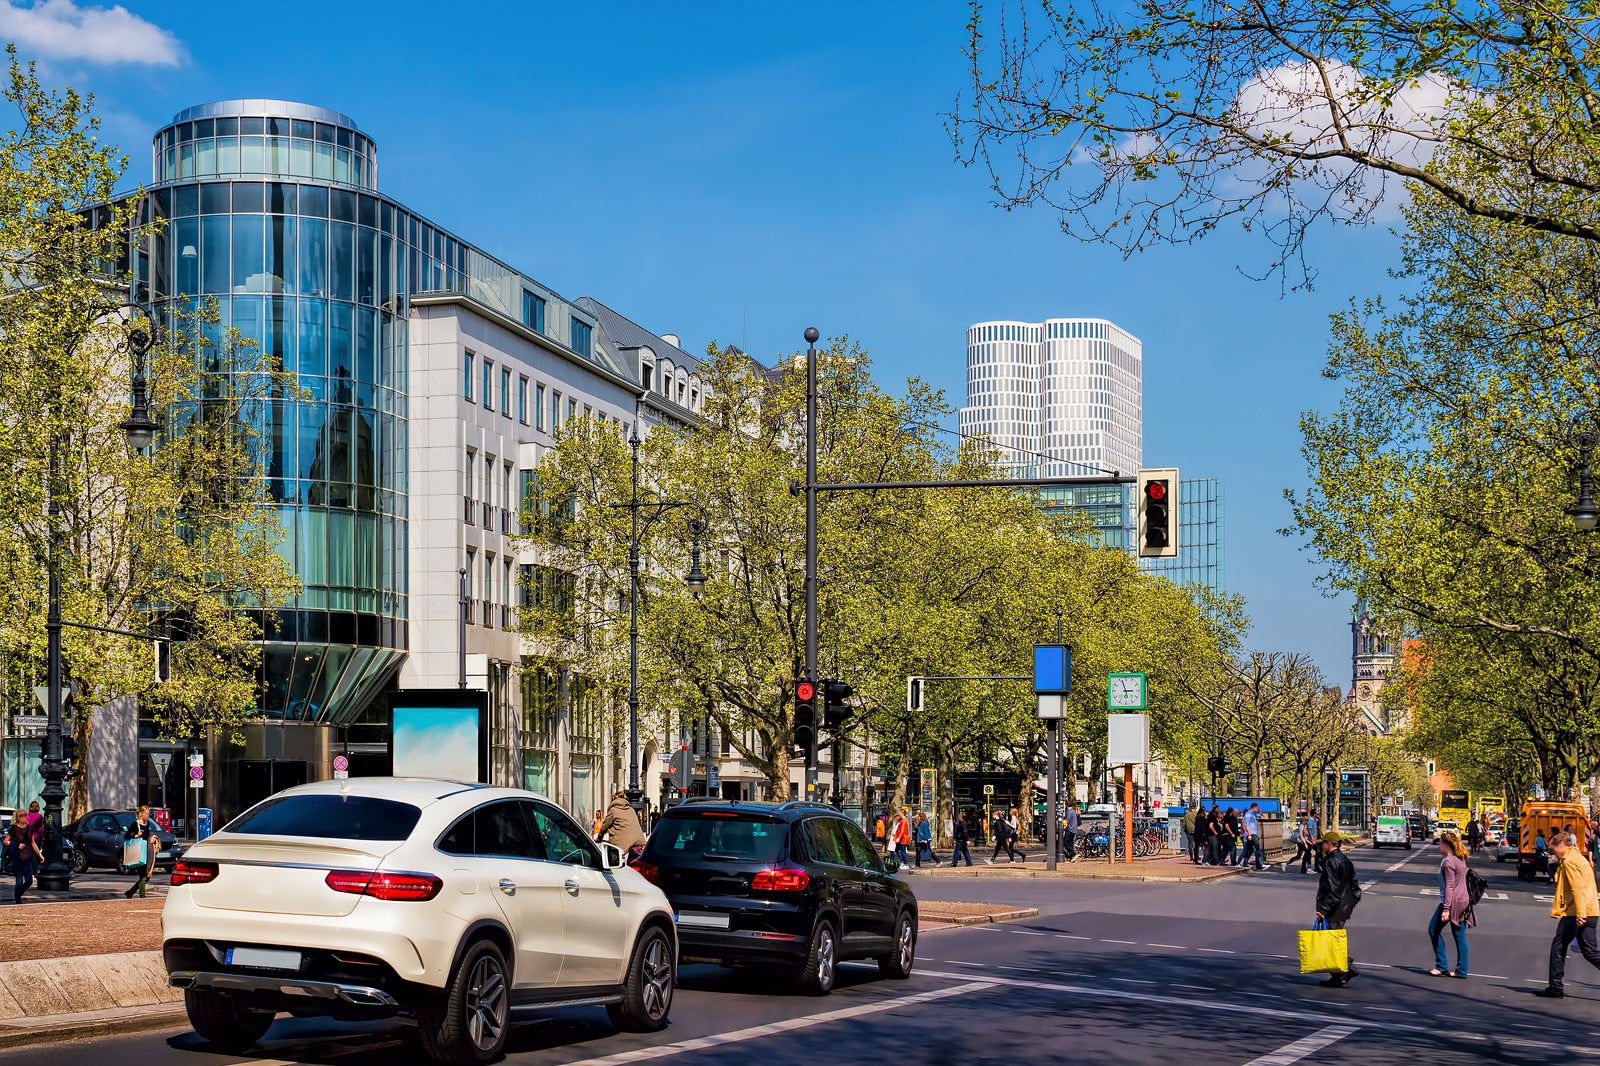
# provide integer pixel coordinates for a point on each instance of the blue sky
(737, 172)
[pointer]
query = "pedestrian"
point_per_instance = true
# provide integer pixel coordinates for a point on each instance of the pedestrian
(925, 839)
(1214, 836)
(1252, 836)
(1302, 846)
(620, 827)
(22, 851)
(1014, 830)
(1313, 833)
(1541, 852)
(142, 826)
(900, 835)
(1576, 910)
(1230, 837)
(1455, 907)
(962, 833)
(879, 828)
(1338, 892)
(1191, 816)
(1001, 831)
(1069, 832)
(1474, 835)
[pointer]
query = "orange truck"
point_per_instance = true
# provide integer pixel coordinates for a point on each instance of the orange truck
(1547, 817)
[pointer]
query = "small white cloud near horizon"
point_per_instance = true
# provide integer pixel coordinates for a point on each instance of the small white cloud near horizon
(61, 30)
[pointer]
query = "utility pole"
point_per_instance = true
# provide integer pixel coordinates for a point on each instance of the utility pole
(811, 542)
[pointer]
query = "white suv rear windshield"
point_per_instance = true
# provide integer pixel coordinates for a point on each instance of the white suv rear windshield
(335, 817)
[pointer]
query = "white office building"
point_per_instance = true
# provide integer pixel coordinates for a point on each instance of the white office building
(1058, 398)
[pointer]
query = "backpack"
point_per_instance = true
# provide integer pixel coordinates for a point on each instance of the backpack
(1475, 888)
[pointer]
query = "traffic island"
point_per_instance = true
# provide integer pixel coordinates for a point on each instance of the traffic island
(1175, 868)
(935, 913)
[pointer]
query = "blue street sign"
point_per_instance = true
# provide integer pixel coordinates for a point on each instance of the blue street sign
(1052, 669)
(713, 776)
(202, 823)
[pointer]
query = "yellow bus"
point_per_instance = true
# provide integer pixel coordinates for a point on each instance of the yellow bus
(1492, 816)
(1455, 810)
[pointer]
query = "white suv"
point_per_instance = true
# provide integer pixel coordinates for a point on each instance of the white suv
(456, 904)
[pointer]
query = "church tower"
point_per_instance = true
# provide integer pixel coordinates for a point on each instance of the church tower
(1371, 659)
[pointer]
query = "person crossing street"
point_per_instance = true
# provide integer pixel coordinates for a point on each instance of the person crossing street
(1576, 910)
(1338, 892)
(1069, 832)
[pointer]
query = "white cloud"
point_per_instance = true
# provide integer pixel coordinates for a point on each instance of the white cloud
(60, 29)
(1299, 101)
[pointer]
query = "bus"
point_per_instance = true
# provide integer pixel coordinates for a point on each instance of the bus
(1492, 816)
(1455, 807)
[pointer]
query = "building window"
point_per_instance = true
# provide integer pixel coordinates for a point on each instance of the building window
(582, 337)
(488, 384)
(472, 559)
(538, 407)
(466, 376)
(572, 410)
(555, 411)
(533, 311)
(505, 392)
(472, 465)
(526, 502)
(522, 400)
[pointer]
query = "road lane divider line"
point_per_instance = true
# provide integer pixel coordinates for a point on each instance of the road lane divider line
(1217, 951)
(1305, 1046)
(1130, 943)
(787, 1025)
(1174, 947)
(1387, 870)
(1069, 936)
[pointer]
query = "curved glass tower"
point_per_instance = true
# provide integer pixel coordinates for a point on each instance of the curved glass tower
(271, 209)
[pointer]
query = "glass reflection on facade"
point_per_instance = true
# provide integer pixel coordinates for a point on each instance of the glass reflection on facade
(1200, 540)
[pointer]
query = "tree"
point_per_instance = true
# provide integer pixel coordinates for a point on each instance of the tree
(1440, 482)
(1155, 122)
(179, 541)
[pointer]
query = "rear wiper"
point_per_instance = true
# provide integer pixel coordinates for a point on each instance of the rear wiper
(720, 856)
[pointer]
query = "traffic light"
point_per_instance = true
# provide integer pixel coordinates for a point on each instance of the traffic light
(913, 695)
(1219, 764)
(1157, 502)
(69, 753)
(834, 712)
(804, 733)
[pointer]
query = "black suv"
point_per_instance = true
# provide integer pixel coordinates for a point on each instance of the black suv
(790, 884)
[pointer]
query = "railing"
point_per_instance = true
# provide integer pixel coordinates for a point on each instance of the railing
(488, 516)
(470, 606)
(488, 614)
(508, 617)
(470, 510)
(506, 518)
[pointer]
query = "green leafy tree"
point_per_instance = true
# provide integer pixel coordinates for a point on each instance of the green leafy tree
(178, 541)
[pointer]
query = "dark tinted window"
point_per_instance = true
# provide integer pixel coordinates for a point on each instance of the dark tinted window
(339, 817)
(862, 853)
(497, 830)
(717, 836)
(825, 841)
(563, 840)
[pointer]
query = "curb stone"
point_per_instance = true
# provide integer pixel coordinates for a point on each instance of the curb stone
(981, 919)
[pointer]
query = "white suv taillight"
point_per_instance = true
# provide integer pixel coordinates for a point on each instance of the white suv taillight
(193, 873)
(380, 884)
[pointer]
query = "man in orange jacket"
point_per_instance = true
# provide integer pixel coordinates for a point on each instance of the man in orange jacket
(1576, 910)
(902, 836)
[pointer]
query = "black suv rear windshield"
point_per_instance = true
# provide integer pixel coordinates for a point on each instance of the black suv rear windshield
(713, 836)
(339, 817)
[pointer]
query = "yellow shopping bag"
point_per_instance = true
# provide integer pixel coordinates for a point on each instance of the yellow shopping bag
(1324, 950)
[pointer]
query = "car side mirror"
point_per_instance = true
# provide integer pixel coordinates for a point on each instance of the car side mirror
(611, 857)
(891, 863)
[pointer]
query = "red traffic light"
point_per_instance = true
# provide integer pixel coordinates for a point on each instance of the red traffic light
(806, 691)
(1156, 490)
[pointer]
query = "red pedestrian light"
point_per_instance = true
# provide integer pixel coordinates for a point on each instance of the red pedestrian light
(806, 691)
(1156, 490)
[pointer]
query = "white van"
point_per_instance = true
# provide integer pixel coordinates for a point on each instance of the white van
(1392, 830)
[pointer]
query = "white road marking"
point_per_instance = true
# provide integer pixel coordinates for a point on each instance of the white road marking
(1218, 951)
(1365, 885)
(1174, 947)
(1306, 1045)
(788, 1025)
(1069, 936)
(1390, 1010)
(1259, 1010)
(1195, 988)
(1133, 981)
(1128, 942)
(1261, 995)
(1026, 932)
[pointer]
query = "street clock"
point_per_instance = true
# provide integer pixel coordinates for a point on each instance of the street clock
(1126, 692)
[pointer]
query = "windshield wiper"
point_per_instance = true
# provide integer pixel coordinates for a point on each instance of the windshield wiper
(721, 856)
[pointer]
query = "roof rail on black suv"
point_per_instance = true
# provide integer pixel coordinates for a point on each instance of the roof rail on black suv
(793, 884)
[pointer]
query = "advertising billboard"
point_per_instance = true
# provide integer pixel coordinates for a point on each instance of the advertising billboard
(440, 733)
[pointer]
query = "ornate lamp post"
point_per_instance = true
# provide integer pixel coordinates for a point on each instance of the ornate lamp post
(55, 874)
(1585, 515)
(645, 513)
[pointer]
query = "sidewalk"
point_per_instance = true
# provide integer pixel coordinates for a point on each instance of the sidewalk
(1169, 868)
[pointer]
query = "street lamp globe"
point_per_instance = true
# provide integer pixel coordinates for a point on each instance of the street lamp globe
(696, 579)
(1584, 515)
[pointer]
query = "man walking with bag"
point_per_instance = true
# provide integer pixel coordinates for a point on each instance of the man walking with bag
(1338, 892)
(1576, 910)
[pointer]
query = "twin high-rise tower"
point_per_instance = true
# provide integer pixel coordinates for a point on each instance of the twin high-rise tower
(1064, 398)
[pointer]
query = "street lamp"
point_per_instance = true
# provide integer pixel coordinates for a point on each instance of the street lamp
(1585, 515)
(644, 514)
(55, 874)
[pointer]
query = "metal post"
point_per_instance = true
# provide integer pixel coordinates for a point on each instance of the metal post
(54, 875)
(635, 793)
(811, 540)
(1127, 812)
(1052, 830)
(466, 606)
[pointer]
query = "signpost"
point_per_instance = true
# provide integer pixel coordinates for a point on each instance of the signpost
(1052, 681)
(341, 767)
(197, 777)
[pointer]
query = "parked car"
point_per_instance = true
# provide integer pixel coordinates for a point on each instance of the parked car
(793, 885)
(453, 903)
(98, 837)
(1506, 847)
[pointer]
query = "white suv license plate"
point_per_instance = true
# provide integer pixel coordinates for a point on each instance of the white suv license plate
(264, 959)
(703, 921)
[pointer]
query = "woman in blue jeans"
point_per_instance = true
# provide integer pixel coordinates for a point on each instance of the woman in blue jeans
(1454, 910)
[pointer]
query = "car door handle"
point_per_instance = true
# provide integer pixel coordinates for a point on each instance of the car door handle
(508, 887)
(572, 886)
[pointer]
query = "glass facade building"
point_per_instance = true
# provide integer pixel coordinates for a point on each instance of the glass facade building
(1200, 537)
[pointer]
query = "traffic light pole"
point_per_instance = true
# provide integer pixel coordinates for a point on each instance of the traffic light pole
(811, 544)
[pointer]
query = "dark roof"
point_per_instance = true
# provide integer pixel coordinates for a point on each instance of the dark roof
(624, 332)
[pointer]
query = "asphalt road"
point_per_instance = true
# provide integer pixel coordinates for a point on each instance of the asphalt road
(1109, 971)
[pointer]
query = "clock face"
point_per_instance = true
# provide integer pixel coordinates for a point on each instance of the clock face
(1127, 691)
(1365, 692)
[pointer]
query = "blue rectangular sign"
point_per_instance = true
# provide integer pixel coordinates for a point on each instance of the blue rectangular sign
(202, 823)
(1052, 669)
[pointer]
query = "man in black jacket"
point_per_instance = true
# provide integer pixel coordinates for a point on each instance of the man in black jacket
(1338, 892)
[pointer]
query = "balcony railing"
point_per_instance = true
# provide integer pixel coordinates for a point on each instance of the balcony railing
(471, 511)
(471, 609)
(506, 519)
(508, 617)
(488, 516)
(488, 614)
